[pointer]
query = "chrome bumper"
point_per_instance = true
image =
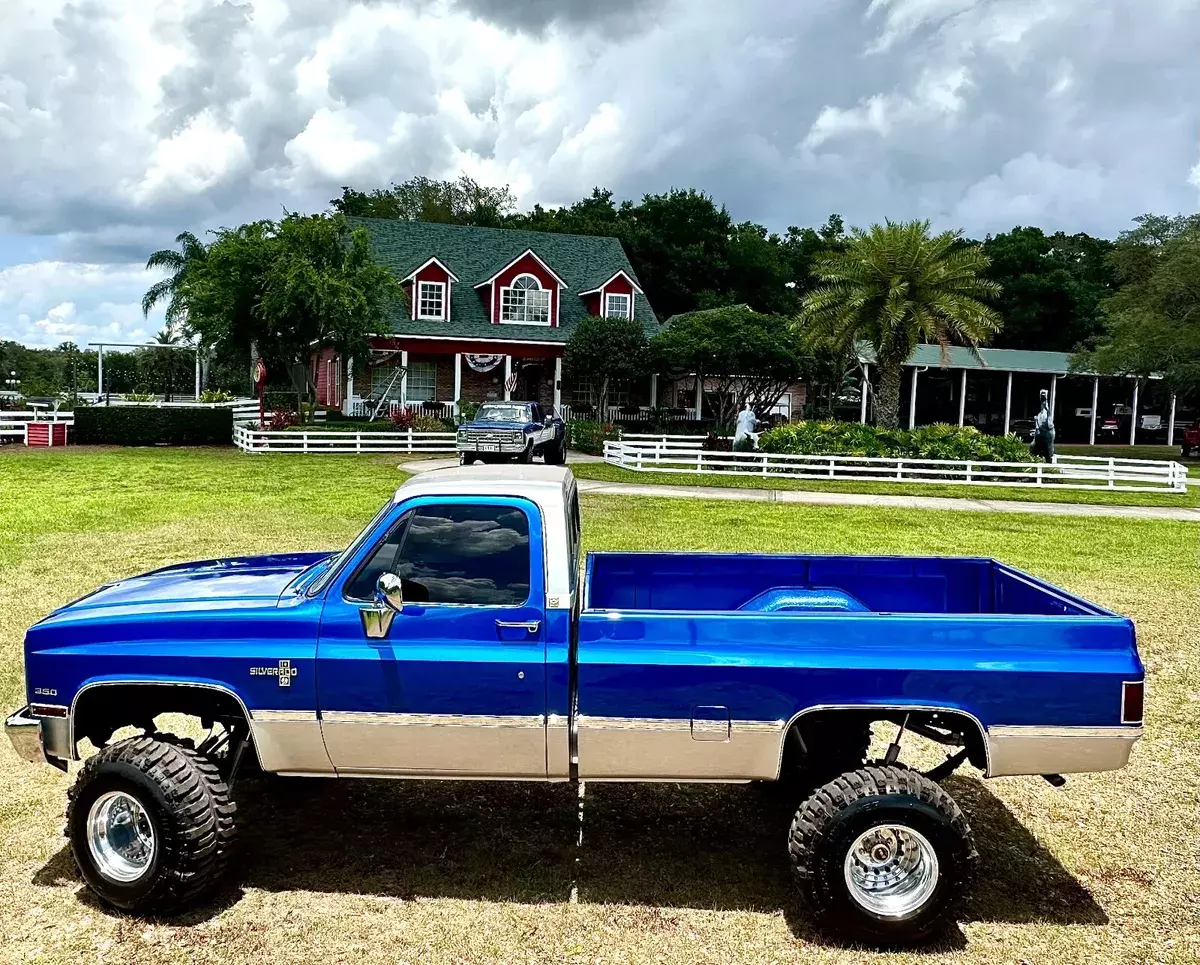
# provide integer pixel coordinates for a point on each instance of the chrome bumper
(506, 448)
(39, 740)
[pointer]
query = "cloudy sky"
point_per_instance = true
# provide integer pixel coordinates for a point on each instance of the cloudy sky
(123, 123)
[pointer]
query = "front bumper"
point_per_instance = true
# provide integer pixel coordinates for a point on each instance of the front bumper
(40, 740)
(505, 448)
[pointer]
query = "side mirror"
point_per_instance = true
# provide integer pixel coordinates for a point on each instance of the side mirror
(389, 600)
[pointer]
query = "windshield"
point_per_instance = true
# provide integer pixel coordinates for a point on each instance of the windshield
(348, 552)
(504, 413)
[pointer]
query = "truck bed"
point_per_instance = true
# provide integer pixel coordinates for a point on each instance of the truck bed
(683, 640)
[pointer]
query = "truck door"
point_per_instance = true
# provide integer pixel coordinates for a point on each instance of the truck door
(457, 685)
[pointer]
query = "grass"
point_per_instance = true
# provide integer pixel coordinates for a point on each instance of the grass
(607, 473)
(1105, 870)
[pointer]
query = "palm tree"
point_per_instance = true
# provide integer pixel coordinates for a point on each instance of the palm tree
(172, 289)
(895, 286)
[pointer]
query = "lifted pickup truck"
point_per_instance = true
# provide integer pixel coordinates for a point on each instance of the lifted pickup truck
(502, 431)
(462, 635)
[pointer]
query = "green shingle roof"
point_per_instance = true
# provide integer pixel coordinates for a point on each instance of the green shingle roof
(475, 254)
(994, 359)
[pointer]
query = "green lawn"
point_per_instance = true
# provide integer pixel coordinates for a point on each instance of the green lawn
(1104, 870)
(607, 473)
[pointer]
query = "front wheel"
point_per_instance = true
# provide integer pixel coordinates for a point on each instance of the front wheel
(883, 856)
(556, 452)
(527, 455)
(151, 825)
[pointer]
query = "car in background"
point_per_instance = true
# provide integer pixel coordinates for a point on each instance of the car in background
(502, 431)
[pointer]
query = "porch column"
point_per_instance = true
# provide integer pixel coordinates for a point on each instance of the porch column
(699, 397)
(1095, 404)
(962, 399)
(404, 378)
(507, 376)
(558, 383)
(1053, 396)
(457, 381)
(866, 385)
(1171, 424)
(912, 400)
(654, 391)
(1008, 404)
(347, 400)
(1137, 383)
(197, 373)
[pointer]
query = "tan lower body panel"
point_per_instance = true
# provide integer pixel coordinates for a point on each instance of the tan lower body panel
(289, 741)
(1059, 750)
(435, 745)
(648, 749)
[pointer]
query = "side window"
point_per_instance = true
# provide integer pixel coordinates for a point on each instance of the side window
(383, 560)
(536, 413)
(456, 554)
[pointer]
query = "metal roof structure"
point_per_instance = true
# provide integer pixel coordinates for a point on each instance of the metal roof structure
(993, 359)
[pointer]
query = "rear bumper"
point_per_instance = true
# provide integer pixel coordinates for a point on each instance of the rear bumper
(1059, 750)
(39, 740)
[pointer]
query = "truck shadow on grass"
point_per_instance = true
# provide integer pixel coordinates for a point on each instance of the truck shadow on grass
(662, 846)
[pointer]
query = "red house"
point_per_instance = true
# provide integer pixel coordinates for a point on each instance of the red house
(489, 314)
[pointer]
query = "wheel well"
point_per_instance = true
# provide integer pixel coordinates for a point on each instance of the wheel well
(101, 710)
(960, 729)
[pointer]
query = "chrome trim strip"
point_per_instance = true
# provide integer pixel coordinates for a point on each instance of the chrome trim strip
(558, 748)
(1018, 750)
(276, 716)
(430, 720)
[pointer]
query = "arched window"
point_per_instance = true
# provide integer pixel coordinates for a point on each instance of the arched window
(525, 302)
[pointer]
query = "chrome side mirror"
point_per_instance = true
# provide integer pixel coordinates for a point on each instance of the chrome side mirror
(389, 600)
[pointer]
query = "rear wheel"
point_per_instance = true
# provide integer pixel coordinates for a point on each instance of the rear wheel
(883, 856)
(151, 825)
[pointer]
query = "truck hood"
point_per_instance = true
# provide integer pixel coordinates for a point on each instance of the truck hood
(234, 582)
(520, 426)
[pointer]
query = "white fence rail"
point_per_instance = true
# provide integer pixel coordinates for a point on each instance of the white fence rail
(12, 424)
(659, 454)
(252, 440)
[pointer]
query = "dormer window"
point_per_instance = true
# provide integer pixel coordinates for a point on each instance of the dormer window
(431, 300)
(525, 302)
(616, 305)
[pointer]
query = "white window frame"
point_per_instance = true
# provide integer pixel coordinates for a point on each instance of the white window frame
(420, 384)
(421, 285)
(524, 319)
(627, 313)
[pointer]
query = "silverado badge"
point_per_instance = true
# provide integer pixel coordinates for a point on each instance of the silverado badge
(285, 672)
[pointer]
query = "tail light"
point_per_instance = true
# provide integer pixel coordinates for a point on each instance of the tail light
(1133, 699)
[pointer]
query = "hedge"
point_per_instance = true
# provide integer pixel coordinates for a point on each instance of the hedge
(147, 426)
(589, 437)
(924, 442)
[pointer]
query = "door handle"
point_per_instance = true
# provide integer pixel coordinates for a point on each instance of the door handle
(532, 626)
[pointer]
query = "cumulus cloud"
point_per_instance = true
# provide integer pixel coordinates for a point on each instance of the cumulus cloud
(122, 124)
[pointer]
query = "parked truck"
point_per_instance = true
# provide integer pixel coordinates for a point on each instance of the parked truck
(504, 431)
(463, 634)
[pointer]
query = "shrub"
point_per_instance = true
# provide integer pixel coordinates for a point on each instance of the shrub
(925, 442)
(138, 397)
(467, 411)
(590, 437)
(428, 422)
(152, 426)
(216, 395)
(402, 419)
(282, 419)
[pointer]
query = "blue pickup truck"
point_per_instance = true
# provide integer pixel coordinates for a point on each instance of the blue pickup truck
(463, 634)
(503, 431)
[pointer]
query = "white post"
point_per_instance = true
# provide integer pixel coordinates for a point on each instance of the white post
(197, 373)
(866, 384)
(654, 391)
(1095, 404)
(100, 370)
(1171, 424)
(458, 381)
(912, 401)
(699, 397)
(1133, 421)
(507, 375)
(347, 404)
(1008, 404)
(557, 384)
(962, 399)
(404, 380)
(1053, 396)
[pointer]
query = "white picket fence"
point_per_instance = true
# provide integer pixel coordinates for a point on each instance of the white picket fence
(253, 440)
(687, 455)
(12, 424)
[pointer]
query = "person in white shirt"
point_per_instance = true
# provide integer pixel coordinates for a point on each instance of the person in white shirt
(745, 439)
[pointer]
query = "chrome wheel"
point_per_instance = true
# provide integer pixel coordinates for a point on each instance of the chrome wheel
(120, 836)
(891, 870)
